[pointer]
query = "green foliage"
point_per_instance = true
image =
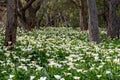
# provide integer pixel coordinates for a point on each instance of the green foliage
(59, 54)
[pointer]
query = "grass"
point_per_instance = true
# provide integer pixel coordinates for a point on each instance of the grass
(59, 54)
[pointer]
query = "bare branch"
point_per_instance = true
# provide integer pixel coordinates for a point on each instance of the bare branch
(37, 7)
(28, 4)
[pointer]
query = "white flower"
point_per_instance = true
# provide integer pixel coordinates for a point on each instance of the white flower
(57, 76)
(82, 61)
(52, 63)
(92, 68)
(39, 44)
(32, 77)
(85, 71)
(9, 42)
(99, 76)
(23, 67)
(108, 57)
(23, 59)
(76, 77)
(108, 72)
(77, 48)
(11, 76)
(96, 58)
(119, 54)
(67, 74)
(100, 66)
(3, 72)
(5, 48)
(62, 79)
(43, 78)
(39, 68)
(7, 54)
(116, 60)
(63, 62)
(79, 70)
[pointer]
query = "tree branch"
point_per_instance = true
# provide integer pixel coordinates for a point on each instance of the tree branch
(28, 4)
(37, 7)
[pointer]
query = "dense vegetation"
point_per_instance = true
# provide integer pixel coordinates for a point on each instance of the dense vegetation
(59, 54)
(59, 40)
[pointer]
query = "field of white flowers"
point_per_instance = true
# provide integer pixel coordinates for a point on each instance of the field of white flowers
(59, 54)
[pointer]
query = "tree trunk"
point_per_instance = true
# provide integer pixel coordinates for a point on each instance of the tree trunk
(93, 22)
(28, 20)
(82, 14)
(11, 28)
(2, 12)
(112, 29)
(31, 19)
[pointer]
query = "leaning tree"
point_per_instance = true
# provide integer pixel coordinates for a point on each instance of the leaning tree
(27, 12)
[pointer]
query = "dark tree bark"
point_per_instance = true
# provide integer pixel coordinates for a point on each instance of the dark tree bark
(2, 11)
(11, 28)
(93, 22)
(82, 13)
(113, 27)
(1, 16)
(29, 21)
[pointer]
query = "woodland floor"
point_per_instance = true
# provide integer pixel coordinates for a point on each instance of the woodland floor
(59, 54)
